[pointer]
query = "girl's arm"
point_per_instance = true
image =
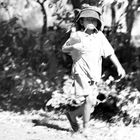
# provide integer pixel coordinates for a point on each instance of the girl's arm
(67, 47)
(120, 70)
(74, 42)
(107, 51)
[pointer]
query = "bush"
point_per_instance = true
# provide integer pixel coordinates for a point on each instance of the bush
(117, 101)
(27, 70)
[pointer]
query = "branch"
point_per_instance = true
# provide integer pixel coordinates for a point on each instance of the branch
(41, 3)
(44, 1)
(38, 1)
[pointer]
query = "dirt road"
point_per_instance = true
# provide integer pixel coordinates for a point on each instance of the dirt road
(39, 125)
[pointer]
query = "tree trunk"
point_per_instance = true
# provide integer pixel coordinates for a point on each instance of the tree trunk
(76, 4)
(91, 2)
(113, 12)
(44, 27)
(130, 15)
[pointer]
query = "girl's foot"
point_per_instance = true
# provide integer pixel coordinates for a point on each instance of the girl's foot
(86, 132)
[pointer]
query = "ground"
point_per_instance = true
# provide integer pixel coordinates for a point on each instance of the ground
(40, 125)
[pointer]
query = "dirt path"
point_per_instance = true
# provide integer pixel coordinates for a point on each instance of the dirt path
(39, 125)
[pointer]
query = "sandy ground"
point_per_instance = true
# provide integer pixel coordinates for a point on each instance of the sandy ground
(39, 125)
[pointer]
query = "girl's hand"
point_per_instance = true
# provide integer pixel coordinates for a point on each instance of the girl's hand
(74, 38)
(121, 72)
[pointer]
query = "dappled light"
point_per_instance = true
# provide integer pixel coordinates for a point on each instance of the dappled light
(35, 75)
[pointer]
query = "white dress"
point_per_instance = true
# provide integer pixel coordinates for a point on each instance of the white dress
(87, 60)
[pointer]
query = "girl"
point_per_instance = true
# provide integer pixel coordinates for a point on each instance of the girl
(87, 46)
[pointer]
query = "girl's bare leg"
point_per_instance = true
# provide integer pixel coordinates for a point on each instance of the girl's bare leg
(87, 111)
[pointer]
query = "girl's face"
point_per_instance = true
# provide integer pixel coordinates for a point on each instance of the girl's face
(89, 23)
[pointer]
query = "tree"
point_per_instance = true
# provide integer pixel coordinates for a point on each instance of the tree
(44, 28)
(131, 9)
(78, 3)
(6, 6)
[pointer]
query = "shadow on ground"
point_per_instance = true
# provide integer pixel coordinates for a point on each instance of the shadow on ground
(48, 125)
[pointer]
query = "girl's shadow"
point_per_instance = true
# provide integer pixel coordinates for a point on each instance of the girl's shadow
(49, 125)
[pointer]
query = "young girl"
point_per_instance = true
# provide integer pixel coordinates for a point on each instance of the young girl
(87, 46)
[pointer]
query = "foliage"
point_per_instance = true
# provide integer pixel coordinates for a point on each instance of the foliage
(62, 103)
(117, 100)
(26, 69)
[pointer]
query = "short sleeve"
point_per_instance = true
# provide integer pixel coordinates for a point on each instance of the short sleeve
(106, 48)
(68, 46)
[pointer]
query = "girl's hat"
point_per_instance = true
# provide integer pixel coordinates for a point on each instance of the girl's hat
(93, 12)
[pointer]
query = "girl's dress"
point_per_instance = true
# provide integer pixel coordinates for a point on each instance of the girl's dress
(87, 60)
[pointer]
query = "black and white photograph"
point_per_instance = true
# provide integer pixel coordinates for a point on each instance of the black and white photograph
(69, 69)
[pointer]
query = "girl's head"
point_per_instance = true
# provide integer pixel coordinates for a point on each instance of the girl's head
(90, 17)
(89, 23)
